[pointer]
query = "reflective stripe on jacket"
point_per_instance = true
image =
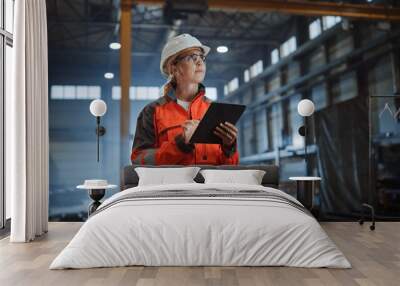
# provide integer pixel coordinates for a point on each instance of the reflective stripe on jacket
(159, 135)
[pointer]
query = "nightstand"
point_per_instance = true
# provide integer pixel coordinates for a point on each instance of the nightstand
(96, 190)
(306, 190)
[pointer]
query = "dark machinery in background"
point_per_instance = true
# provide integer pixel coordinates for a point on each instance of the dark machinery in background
(180, 9)
(385, 153)
(387, 167)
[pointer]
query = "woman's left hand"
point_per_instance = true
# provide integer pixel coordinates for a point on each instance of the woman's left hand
(227, 132)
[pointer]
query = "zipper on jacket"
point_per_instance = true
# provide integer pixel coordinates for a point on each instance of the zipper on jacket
(189, 112)
(203, 147)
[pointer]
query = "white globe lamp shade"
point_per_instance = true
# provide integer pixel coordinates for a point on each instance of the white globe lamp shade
(305, 107)
(98, 107)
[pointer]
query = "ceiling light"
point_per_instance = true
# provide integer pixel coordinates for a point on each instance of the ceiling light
(222, 49)
(109, 75)
(115, 46)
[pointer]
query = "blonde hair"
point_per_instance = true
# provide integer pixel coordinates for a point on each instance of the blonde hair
(171, 81)
(169, 85)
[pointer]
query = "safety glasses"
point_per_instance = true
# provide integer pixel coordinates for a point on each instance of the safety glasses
(193, 57)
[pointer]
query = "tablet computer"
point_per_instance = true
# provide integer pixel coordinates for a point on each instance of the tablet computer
(217, 113)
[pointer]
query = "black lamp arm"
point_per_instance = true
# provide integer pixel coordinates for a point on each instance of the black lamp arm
(98, 135)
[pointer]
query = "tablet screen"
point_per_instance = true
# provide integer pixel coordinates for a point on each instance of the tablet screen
(217, 113)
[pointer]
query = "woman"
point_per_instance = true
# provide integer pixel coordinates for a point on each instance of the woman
(164, 127)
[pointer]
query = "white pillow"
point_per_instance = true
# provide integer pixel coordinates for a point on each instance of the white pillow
(163, 176)
(248, 177)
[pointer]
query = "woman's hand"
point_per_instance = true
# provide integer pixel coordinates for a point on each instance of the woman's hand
(227, 132)
(189, 126)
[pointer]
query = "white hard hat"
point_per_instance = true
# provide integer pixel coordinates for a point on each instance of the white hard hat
(177, 44)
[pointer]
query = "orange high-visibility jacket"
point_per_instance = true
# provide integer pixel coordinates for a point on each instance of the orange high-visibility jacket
(159, 135)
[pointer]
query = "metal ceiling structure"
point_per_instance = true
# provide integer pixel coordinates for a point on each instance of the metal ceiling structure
(81, 30)
(361, 9)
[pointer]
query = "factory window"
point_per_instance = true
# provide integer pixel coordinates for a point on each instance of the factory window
(344, 88)
(295, 121)
(259, 90)
(315, 29)
(71, 92)
(249, 134)
(246, 75)
(225, 90)
(154, 92)
(248, 96)
(144, 93)
(274, 56)
(319, 96)
(261, 131)
(288, 47)
(274, 121)
(116, 92)
(137, 92)
(286, 134)
(231, 86)
(67, 92)
(330, 21)
(212, 93)
(256, 69)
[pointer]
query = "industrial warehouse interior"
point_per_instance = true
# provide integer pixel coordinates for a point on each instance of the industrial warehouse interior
(100, 173)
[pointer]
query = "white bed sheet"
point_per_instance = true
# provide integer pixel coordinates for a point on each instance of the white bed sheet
(200, 231)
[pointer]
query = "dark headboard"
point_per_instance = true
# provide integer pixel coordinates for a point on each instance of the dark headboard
(271, 178)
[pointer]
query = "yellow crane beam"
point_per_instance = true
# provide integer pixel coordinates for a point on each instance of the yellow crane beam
(367, 11)
(125, 78)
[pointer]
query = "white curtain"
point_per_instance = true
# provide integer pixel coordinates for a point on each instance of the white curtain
(27, 146)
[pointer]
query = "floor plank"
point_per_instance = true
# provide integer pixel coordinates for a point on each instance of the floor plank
(375, 257)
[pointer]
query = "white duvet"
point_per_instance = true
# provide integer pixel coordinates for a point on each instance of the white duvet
(183, 231)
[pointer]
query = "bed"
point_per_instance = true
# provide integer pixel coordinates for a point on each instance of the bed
(201, 224)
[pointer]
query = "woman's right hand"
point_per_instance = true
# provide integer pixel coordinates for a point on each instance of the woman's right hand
(189, 126)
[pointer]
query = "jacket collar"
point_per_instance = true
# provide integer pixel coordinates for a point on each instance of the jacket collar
(200, 92)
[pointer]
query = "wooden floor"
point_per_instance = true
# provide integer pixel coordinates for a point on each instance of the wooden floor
(375, 256)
